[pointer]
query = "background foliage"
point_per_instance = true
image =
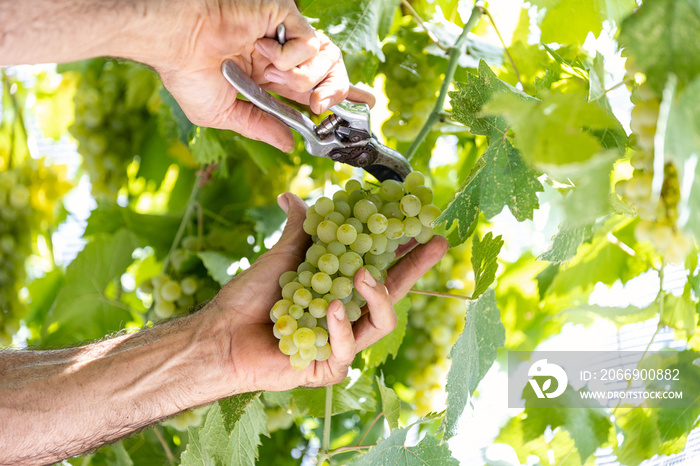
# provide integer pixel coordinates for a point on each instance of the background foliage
(526, 127)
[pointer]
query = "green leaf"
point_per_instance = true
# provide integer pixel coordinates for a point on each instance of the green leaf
(267, 218)
(484, 261)
(217, 265)
(245, 437)
(207, 444)
(618, 315)
(661, 36)
(82, 308)
(389, 345)
(392, 450)
(234, 407)
(641, 438)
(43, 292)
(173, 113)
(679, 312)
(555, 129)
(391, 406)
(206, 146)
(570, 21)
(121, 455)
(262, 154)
(353, 26)
(589, 425)
(347, 396)
(472, 356)
(566, 242)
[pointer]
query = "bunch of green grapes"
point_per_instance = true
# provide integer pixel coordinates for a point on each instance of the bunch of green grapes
(186, 419)
(658, 214)
(111, 113)
(410, 85)
(434, 326)
(357, 228)
(170, 295)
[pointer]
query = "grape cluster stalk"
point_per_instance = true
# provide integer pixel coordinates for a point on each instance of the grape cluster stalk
(658, 214)
(356, 228)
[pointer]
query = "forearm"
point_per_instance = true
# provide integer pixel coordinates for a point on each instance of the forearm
(57, 31)
(56, 404)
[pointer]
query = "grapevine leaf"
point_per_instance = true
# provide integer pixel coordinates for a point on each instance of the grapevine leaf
(661, 36)
(267, 218)
(561, 445)
(391, 406)
(232, 408)
(484, 261)
(566, 242)
(679, 312)
(245, 437)
(588, 426)
(353, 26)
(555, 129)
(43, 292)
(173, 112)
(207, 444)
(393, 450)
(217, 265)
(472, 356)
(682, 146)
(618, 315)
(348, 395)
(471, 96)
(82, 308)
(121, 455)
(263, 155)
(570, 21)
(464, 209)
(206, 146)
(642, 438)
(378, 353)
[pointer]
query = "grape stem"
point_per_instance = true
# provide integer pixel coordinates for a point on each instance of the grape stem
(327, 420)
(349, 448)
(166, 447)
(370, 428)
(422, 24)
(442, 295)
(186, 216)
(505, 47)
(455, 52)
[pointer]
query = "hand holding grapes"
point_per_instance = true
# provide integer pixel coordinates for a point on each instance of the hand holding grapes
(254, 361)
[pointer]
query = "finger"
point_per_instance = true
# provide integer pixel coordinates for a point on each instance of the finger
(304, 77)
(293, 234)
(404, 274)
(404, 249)
(356, 94)
(301, 44)
(332, 90)
(381, 318)
(252, 122)
(341, 337)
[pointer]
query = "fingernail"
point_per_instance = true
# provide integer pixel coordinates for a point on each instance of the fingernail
(338, 312)
(369, 279)
(261, 50)
(283, 202)
(274, 77)
(324, 104)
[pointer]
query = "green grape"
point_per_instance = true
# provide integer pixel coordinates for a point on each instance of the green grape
(171, 291)
(349, 263)
(341, 287)
(335, 217)
(356, 224)
(428, 214)
(295, 311)
(413, 180)
(305, 278)
(321, 283)
(289, 289)
(326, 232)
(340, 195)
(363, 209)
(164, 309)
(305, 267)
(321, 336)
(412, 227)
(425, 235)
(185, 302)
(307, 321)
(394, 229)
(352, 185)
(314, 253)
(323, 323)
(323, 352)
(355, 197)
(377, 223)
(188, 285)
(287, 277)
(377, 260)
(302, 297)
(318, 307)
(424, 195)
(362, 243)
(281, 307)
(336, 248)
(353, 311)
(298, 362)
(287, 345)
(379, 243)
(391, 191)
(304, 338)
(328, 264)
(410, 205)
(311, 223)
(324, 206)
(309, 353)
(343, 208)
(346, 234)
(391, 210)
(376, 200)
(286, 325)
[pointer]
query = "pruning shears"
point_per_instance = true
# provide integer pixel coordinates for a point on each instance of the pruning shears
(344, 136)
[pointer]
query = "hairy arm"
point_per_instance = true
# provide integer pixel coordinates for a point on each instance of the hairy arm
(56, 404)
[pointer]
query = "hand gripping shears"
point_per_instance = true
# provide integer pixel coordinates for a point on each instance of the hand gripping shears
(344, 136)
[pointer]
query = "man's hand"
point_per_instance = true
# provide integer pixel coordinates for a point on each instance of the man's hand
(308, 68)
(240, 313)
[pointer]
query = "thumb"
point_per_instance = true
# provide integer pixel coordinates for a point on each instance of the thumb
(293, 238)
(252, 122)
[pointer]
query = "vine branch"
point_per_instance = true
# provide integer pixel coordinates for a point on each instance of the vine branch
(442, 295)
(503, 43)
(454, 53)
(164, 444)
(422, 24)
(186, 217)
(370, 428)
(327, 422)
